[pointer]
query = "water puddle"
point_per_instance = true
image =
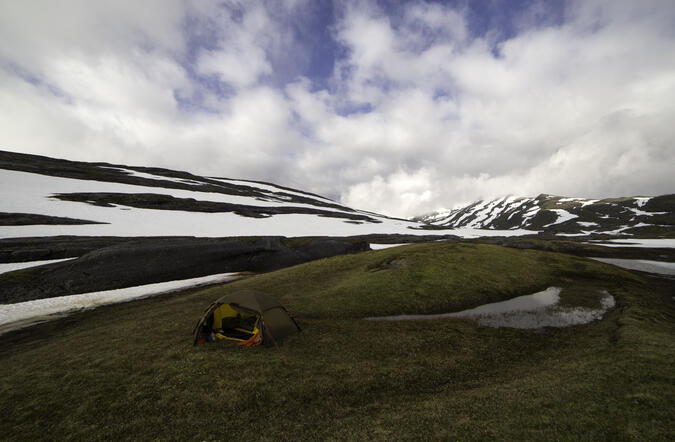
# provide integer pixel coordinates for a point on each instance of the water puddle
(530, 311)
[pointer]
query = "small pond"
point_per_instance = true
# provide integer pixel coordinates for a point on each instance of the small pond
(537, 310)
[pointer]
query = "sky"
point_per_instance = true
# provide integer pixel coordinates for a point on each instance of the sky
(397, 107)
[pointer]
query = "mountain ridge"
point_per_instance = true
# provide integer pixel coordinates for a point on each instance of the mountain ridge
(564, 215)
(43, 196)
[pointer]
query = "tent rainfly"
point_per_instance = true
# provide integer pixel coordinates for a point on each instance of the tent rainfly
(248, 317)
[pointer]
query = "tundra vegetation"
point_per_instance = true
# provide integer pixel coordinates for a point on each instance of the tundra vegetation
(129, 371)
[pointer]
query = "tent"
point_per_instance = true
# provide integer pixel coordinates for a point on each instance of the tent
(248, 317)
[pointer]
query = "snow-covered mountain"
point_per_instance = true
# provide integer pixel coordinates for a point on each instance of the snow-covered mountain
(644, 215)
(42, 196)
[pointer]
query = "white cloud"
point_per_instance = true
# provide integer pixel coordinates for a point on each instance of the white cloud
(36, 31)
(412, 191)
(104, 98)
(537, 113)
(419, 114)
(240, 58)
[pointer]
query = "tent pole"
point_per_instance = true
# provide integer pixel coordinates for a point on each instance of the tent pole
(275, 342)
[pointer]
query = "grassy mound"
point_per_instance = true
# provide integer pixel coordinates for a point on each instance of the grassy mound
(420, 278)
(130, 371)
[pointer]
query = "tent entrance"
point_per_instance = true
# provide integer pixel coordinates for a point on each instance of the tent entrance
(236, 324)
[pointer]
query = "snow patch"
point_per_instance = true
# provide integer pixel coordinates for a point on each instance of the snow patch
(271, 188)
(563, 215)
(582, 233)
(641, 201)
(619, 231)
(150, 176)
(660, 243)
(10, 267)
(502, 204)
(643, 265)
(23, 314)
(643, 213)
(387, 246)
(643, 225)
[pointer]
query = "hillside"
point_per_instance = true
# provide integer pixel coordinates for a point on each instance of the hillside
(45, 197)
(129, 371)
(642, 216)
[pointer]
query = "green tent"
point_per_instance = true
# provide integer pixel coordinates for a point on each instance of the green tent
(248, 317)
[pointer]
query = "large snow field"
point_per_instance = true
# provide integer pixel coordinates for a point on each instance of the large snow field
(23, 192)
(643, 265)
(529, 311)
(23, 314)
(21, 189)
(145, 222)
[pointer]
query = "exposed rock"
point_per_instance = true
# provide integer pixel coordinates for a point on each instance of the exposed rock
(150, 260)
(28, 219)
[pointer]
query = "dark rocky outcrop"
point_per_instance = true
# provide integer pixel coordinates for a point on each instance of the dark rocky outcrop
(30, 219)
(56, 247)
(150, 260)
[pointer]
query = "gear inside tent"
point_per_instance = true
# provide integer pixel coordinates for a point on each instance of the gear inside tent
(248, 317)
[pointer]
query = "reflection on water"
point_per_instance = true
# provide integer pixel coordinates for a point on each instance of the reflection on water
(529, 311)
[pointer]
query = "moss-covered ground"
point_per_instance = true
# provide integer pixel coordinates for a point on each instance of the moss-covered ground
(129, 371)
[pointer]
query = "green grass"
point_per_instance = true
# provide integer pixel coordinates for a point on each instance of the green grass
(420, 278)
(20, 276)
(129, 371)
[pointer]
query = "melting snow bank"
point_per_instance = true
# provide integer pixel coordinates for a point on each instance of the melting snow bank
(23, 314)
(643, 265)
(529, 311)
(664, 243)
(10, 267)
(387, 246)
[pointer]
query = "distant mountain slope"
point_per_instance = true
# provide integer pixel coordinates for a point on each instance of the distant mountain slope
(159, 178)
(41, 196)
(645, 215)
